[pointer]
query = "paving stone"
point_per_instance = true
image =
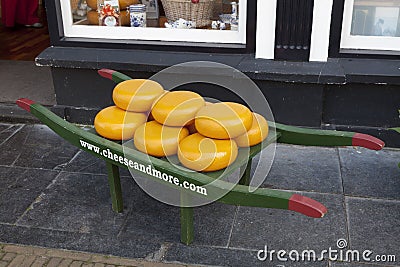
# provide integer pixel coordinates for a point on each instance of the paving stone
(7, 130)
(17, 261)
(152, 219)
(65, 263)
(108, 244)
(161, 264)
(40, 262)
(304, 169)
(3, 127)
(25, 250)
(224, 257)
(10, 151)
(87, 163)
(77, 202)
(158, 221)
(19, 188)
(38, 147)
(9, 256)
(39, 251)
(114, 260)
(281, 229)
(374, 225)
(18, 249)
(370, 173)
(69, 254)
(54, 262)
(76, 264)
(3, 263)
(28, 260)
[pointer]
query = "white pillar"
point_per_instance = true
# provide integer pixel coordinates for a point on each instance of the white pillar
(320, 30)
(265, 35)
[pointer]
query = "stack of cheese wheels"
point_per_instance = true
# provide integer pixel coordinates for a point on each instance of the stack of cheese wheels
(123, 4)
(171, 112)
(221, 128)
(93, 16)
(133, 100)
(205, 136)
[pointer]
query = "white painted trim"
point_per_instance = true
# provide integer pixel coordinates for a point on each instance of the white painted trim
(364, 42)
(321, 25)
(159, 34)
(265, 35)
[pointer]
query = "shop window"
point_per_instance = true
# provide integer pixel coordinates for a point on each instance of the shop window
(201, 21)
(371, 24)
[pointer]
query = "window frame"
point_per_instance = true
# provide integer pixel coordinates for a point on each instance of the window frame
(335, 39)
(59, 38)
(349, 41)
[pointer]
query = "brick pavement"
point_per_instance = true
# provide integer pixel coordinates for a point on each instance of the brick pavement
(30, 256)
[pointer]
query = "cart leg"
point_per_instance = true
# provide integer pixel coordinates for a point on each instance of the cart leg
(186, 220)
(115, 187)
(245, 179)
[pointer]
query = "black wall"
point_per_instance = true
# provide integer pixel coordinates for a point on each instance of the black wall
(367, 108)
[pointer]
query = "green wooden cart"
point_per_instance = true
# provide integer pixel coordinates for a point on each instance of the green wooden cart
(116, 155)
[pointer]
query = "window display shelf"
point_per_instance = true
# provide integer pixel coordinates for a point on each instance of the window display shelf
(158, 28)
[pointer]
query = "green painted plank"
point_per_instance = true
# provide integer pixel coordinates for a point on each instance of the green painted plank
(186, 217)
(395, 129)
(115, 187)
(314, 137)
(113, 75)
(317, 137)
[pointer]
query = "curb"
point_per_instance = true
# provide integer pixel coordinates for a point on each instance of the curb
(14, 114)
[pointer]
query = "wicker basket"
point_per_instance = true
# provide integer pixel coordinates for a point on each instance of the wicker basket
(200, 13)
(74, 5)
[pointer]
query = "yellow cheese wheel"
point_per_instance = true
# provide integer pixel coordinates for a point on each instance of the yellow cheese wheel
(92, 4)
(224, 120)
(158, 140)
(256, 134)
(117, 124)
(124, 18)
(200, 153)
(137, 95)
(177, 108)
(123, 4)
(93, 18)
